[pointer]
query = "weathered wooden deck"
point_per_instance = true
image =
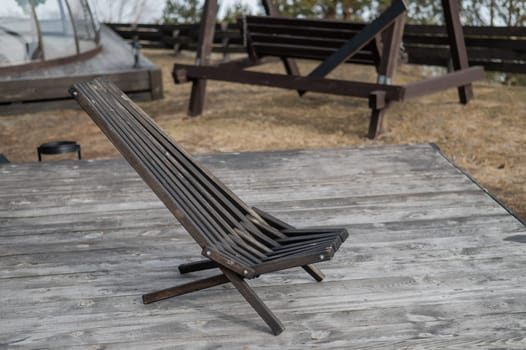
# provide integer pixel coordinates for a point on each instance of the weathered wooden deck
(432, 261)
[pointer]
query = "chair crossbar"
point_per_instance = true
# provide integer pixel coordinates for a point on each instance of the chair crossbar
(242, 242)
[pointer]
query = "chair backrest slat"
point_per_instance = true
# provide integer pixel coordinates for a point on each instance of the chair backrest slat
(212, 214)
(175, 175)
(219, 199)
(222, 194)
(199, 194)
(149, 161)
(196, 200)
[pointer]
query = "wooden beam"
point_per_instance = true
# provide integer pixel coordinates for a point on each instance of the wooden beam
(322, 85)
(204, 48)
(457, 45)
(391, 39)
(390, 50)
(197, 266)
(185, 289)
(455, 79)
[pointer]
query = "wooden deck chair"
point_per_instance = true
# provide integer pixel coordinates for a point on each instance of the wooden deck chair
(241, 241)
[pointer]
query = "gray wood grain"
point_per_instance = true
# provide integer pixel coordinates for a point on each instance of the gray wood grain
(427, 264)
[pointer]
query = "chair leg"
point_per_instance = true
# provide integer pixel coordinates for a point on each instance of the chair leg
(185, 288)
(378, 104)
(376, 123)
(197, 266)
(197, 98)
(252, 298)
(314, 272)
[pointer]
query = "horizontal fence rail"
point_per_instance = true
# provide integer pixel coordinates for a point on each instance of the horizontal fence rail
(500, 49)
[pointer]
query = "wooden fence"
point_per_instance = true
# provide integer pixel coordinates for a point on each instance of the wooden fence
(500, 49)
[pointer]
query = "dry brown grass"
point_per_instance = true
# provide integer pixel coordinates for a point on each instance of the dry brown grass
(486, 138)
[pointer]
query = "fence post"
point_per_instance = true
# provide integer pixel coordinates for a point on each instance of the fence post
(457, 45)
(204, 48)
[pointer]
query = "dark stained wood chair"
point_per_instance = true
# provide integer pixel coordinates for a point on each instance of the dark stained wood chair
(334, 43)
(242, 242)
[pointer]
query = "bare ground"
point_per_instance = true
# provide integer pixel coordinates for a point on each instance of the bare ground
(486, 138)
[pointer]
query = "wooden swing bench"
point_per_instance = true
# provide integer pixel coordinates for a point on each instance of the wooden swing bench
(242, 242)
(333, 43)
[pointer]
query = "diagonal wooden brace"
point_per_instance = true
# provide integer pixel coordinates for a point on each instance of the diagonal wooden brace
(362, 38)
(184, 289)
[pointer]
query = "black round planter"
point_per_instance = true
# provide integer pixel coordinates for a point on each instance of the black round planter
(58, 147)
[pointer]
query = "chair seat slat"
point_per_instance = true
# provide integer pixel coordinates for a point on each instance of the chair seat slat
(238, 250)
(292, 246)
(253, 240)
(245, 245)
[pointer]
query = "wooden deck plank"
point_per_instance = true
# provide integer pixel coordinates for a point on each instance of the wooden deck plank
(427, 263)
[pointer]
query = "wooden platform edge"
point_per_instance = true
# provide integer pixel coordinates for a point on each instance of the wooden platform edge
(22, 107)
(479, 185)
